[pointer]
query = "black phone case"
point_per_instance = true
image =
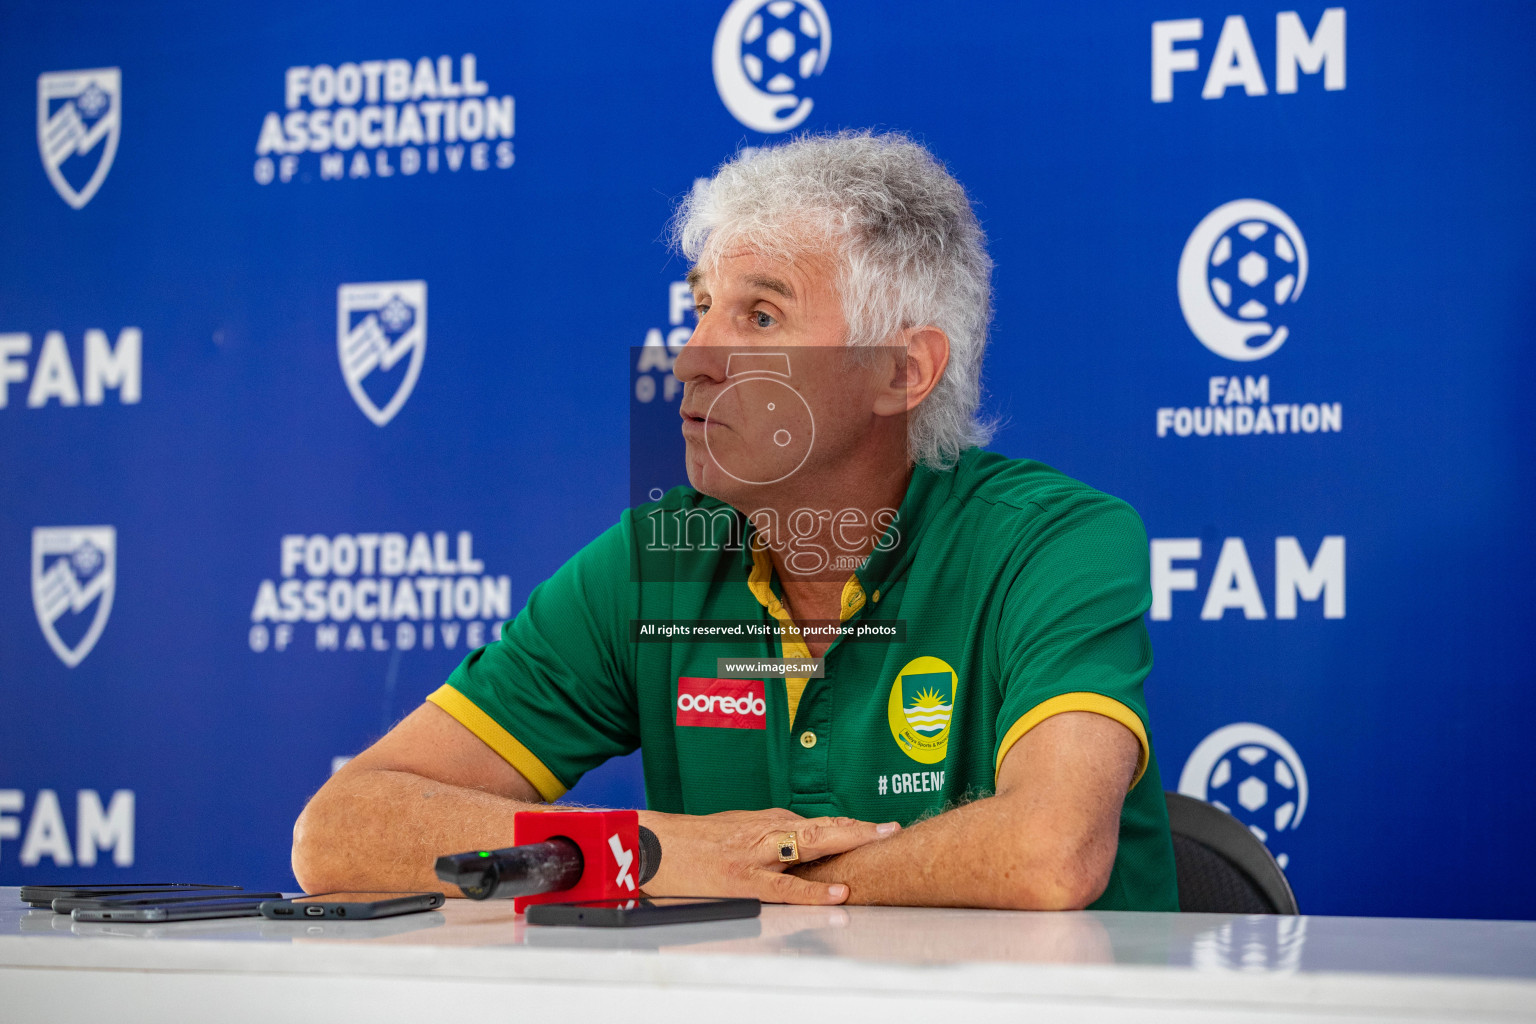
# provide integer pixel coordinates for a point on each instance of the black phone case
(643, 914)
(44, 895)
(67, 904)
(194, 910)
(287, 910)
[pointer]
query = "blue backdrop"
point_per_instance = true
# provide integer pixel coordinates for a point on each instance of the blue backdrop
(318, 334)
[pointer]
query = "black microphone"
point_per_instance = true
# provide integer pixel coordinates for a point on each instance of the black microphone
(534, 868)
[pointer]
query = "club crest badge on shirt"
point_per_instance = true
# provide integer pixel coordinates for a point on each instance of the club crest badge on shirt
(921, 707)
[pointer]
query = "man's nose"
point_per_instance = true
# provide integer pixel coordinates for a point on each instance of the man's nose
(703, 358)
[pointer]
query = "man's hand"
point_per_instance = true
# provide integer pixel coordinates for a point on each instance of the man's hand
(431, 787)
(736, 853)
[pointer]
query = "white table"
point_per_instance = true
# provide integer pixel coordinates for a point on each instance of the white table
(477, 962)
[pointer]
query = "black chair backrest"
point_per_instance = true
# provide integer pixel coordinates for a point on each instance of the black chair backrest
(1222, 867)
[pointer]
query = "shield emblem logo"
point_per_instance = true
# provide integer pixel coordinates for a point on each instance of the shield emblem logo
(79, 119)
(377, 326)
(74, 574)
(926, 699)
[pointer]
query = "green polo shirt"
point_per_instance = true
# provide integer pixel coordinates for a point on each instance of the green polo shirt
(1018, 594)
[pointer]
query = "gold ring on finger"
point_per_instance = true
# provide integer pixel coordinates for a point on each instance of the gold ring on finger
(789, 847)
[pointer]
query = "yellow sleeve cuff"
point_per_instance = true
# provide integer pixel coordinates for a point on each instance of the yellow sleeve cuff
(469, 715)
(1094, 702)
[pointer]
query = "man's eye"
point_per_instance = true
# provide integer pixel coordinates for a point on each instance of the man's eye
(700, 308)
(761, 319)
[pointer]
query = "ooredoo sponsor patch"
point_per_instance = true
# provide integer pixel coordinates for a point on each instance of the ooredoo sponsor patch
(722, 703)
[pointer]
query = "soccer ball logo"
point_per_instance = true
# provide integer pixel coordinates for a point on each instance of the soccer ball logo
(1242, 264)
(781, 45)
(1255, 786)
(765, 52)
(1253, 774)
(1253, 269)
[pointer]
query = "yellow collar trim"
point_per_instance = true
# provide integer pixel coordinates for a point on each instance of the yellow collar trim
(760, 582)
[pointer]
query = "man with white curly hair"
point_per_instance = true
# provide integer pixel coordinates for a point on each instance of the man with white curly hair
(958, 719)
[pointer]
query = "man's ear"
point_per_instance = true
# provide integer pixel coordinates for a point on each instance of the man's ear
(915, 371)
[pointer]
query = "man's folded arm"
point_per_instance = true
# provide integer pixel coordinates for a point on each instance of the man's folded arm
(452, 775)
(1071, 635)
(1045, 841)
(429, 787)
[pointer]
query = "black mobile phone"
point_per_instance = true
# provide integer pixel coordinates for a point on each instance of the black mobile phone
(351, 905)
(635, 913)
(44, 895)
(189, 910)
(68, 904)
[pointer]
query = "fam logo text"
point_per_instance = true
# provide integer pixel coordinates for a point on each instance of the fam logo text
(98, 828)
(104, 366)
(1233, 584)
(1234, 62)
